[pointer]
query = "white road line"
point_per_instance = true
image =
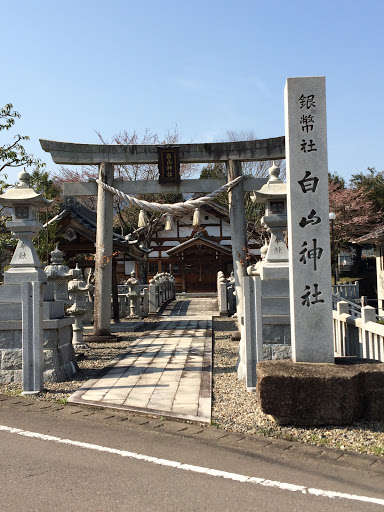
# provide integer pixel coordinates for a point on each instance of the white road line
(196, 469)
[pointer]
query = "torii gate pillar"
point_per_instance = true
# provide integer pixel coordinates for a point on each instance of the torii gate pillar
(238, 233)
(103, 258)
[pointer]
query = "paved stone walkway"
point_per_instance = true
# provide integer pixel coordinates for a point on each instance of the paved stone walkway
(167, 371)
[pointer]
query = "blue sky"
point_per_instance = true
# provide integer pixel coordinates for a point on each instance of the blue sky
(76, 67)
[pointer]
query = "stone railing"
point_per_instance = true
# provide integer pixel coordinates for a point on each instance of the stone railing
(361, 337)
(137, 300)
(347, 290)
(133, 300)
(161, 289)
(226, 295)
(354, 305)
(140, 300)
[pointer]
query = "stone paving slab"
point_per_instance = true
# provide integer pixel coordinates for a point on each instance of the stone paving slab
(167, 371)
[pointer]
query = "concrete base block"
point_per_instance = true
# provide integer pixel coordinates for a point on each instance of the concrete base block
(59, 356)
(321, 394)
(61, 373)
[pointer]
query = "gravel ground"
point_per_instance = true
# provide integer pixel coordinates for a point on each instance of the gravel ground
(234, 409)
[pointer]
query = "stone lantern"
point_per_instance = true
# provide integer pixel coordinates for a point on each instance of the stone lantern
(58, 276)
(274, 195)
(24, 201)
(271, 274)
(133, 294)
(26, 273)
(77, 289)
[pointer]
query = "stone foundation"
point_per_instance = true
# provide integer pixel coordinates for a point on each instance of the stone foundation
(275, 351)
(321, 394)
(59, 357)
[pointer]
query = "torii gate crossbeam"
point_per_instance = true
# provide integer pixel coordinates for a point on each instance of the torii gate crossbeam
(88, 154)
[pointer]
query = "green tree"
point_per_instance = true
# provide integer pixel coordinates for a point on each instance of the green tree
(371, 184)
(13, 154)
(46, 239)
(356, 215)
(337, 180)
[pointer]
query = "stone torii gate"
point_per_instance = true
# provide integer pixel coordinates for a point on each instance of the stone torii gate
(106, 156)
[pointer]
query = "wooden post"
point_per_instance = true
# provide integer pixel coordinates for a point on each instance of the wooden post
(104, 250)
(238, 232)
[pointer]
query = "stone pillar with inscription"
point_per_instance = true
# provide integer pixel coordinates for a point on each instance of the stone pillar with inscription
(308, 226)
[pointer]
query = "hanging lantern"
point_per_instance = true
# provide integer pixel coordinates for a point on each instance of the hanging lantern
(196, 217)
(143, 219)
(169, 222)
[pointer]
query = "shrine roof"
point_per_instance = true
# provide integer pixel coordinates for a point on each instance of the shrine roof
(199, 238)
(87, 218)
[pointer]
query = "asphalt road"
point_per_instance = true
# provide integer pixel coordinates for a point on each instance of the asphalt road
(68, 458)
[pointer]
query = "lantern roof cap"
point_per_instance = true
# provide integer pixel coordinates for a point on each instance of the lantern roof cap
(23, 193)
(273, 189)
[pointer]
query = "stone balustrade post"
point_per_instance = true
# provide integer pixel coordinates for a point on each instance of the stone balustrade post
(164, 284)
(368, 314)
(341, 308)
(158, 292)
(145, 302)
(163, 288)
(222, 294)
(167, 286)
(152, 299)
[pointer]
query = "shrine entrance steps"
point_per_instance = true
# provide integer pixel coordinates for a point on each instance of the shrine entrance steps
(167, 371)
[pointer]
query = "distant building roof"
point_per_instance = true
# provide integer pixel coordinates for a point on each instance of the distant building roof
(374, 237)
(76, 218)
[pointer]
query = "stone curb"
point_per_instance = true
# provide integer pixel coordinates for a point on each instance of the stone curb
(246, 443)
